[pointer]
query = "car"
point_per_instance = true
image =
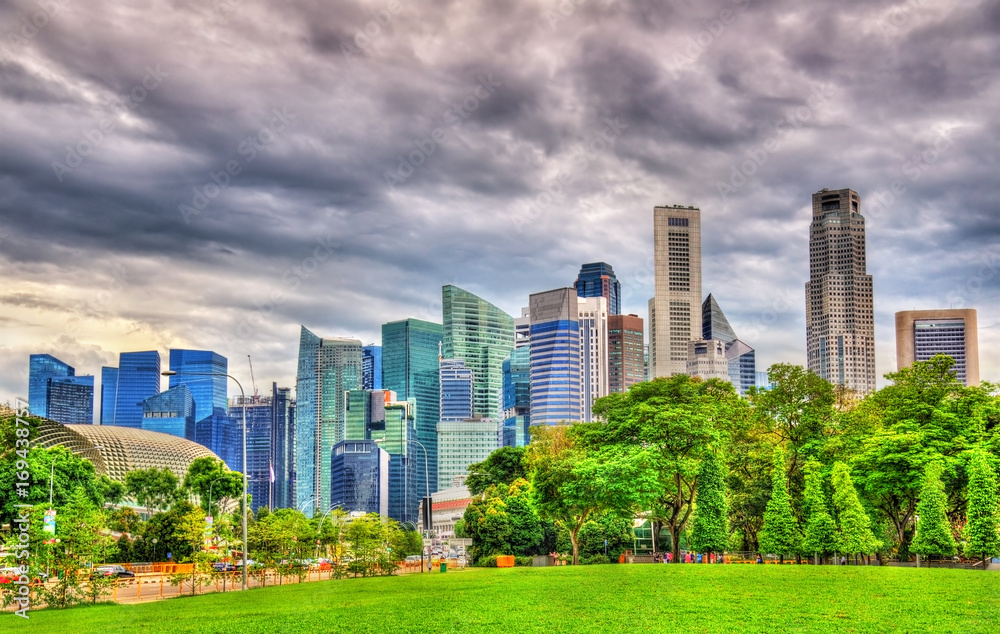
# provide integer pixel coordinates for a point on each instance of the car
(118, 572)
(221, 566)
(10, 574)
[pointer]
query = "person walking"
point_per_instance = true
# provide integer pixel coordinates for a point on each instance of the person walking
(759, 560)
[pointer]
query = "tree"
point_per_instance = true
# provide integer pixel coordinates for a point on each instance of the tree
(855, 527)
(933, 536)
(572, 483)
(821, 531)
(502, 467)
(152, 488)
(710, 532)
(780, 533)
(981, 529)
(66, 471)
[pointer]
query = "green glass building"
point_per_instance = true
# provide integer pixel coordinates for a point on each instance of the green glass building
(327, 369)
(482, 335)
(410, 350)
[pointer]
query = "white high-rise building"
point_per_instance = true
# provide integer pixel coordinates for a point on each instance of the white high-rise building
(675, 309)
(592, 313)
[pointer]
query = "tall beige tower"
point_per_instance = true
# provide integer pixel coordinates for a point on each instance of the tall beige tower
(921, 334)
(675, 309)
(840, 314)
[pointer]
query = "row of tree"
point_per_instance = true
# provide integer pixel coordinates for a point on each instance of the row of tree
(803, 468)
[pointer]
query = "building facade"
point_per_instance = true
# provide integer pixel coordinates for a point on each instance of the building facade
(626, 362)
(371, 367)
(138, 379)
(840, 315)
(171, 412)
(327, 369)
(597, 279)
(410, 352)
(109, 395)
(283, 447)
(517, 397)
(921, 334)
(359, 477)
(457, 388)
(592, 316)
(260, 450)
(674, 310)
(204, 373)
(555, 357)
(71, 400)
(707, 360)
(41, 369)
(742, 357)
(460, 444)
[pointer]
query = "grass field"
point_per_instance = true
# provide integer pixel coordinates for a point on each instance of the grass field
(650, 598)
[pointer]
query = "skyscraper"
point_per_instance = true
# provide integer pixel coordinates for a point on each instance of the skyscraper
(283, 447)
(517, 397)
(555, 357)
(742, 358)
(138, 379)
(597, 279)
(371, 367)
(260, 417)
(840, 316)
(462, 443)
(592, 316)
(171, 412)
(327, 369)
(41, 368)
(410, 352)
(457, 384)
(482, 335)
(71, 400)
(359, 477)
(109, 394)
(193, 368)
(626, 365)
(674, 310)
(921, 334)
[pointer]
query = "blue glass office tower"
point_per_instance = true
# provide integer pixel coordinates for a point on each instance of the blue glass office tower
(109, 394)
(456, 390)
(371, 367)
(170, 412)
(597, 279)
(517, 397)
(41, 368)
(410, 353)
(359, 477)
(71, 400)
(327, 369)
(138, 379)
(259, 417)
(742, 358)
(283, 447)
(208, 392)
(555, 357)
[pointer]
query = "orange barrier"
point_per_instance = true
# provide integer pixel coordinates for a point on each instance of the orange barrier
(505, 561)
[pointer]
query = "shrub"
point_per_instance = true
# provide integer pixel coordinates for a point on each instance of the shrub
(594, 559)
(522, 561)
(487, 561)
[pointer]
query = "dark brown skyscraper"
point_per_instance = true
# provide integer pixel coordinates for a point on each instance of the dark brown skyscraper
(626, 365)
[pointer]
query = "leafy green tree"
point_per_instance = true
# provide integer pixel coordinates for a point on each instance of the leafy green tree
(210, 480)
(675, 420)
(152, 488)
(821, 530)
(488, 524)
(375, 545)
(933, 536)
(780, 532)
(982, 530)
(710, 531)
(855, 526)
(66, 471)
(502, 467)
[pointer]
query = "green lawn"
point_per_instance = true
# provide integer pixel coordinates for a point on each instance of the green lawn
(655, 598)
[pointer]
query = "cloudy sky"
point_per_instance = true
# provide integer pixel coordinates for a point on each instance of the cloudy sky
(212, 174)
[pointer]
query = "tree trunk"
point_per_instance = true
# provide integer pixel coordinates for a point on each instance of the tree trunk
(576, 547)
(675, 544)
(656, 525)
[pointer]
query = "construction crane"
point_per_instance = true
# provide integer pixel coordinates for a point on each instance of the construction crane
(252, 382)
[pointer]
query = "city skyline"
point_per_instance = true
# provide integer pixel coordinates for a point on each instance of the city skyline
(100, 252)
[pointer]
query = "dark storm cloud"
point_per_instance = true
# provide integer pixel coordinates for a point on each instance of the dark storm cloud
(369, 90)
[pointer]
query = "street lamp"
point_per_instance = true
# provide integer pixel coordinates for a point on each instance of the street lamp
(243, 402)
(154, 548)
(427, 485)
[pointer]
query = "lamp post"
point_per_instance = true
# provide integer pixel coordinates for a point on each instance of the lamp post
(154, 549)
(427, 485)
(243, 402)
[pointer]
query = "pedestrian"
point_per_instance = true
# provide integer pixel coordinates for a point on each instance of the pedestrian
(670, 557)
(759, 560)
(843, 561)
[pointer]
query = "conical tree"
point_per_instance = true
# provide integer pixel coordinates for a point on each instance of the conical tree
(933, 531)
(982, 515)
(780, 533)
(710, 533)
(855, 526)
(821, 530)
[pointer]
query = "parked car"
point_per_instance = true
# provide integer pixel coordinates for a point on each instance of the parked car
(9, 574)
(118, 572)
(221, 566)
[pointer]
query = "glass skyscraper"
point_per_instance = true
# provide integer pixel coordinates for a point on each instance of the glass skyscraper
(517, 397)
(260, 418)
(597, 279)
(456, 390)
(138, 379)
(283, 447)
(371, 367)
(482, 335)
(41, 368)
(555, 357)
(208, 392)
(71, 400)
(170, 412)
(109, 394)
(327, 369)
(741, 358)
(410, 353)
(359, 477)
